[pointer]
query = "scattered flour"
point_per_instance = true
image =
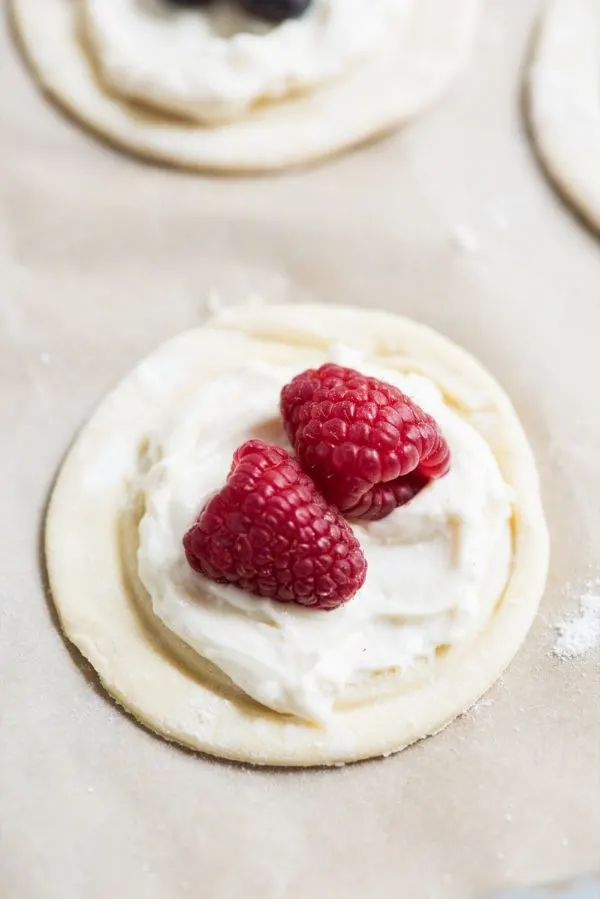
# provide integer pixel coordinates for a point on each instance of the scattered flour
(580, 632)
(213, 303)
(465, 239)
(216, 304)
(478, 707)
(498, 212)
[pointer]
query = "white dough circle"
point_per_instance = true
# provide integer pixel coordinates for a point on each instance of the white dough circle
(364, 101)
(93, 547)
(564, 101)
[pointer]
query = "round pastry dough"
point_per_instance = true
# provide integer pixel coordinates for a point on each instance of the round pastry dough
(99, 613)
(564, 101)
(367, 102)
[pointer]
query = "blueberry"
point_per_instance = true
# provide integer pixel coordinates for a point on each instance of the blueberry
(275, 10)
(189, 3)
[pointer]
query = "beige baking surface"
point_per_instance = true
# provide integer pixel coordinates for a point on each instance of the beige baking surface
(101, 259)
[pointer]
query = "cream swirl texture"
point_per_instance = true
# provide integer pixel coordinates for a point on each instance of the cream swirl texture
(213, 63)
(436, 567)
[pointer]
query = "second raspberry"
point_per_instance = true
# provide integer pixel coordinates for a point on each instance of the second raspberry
(367, 445)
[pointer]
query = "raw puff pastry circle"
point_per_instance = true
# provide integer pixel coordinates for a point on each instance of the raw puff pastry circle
(95, 601)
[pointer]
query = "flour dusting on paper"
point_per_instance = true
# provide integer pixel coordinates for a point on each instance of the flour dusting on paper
(465, 239)
(579, 633)
(478, 707)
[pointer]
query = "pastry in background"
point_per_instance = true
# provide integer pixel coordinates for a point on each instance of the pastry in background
(564, 101)
(244, 85)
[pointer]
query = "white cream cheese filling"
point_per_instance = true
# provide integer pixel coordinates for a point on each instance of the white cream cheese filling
(436, 567)
(213, 63)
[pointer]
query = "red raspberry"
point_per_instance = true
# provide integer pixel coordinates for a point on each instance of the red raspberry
(269, 531)
(365, 444)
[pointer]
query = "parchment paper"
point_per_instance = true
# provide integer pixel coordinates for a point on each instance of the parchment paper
(101, 258)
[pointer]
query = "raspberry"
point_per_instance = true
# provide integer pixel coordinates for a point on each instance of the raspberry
(365, 444)
(269, 531)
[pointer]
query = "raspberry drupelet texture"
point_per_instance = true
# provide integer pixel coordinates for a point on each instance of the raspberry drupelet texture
(365, 444)
(270, 532)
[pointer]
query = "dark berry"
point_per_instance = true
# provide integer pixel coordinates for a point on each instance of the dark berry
(189, 3)
(275, 10)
